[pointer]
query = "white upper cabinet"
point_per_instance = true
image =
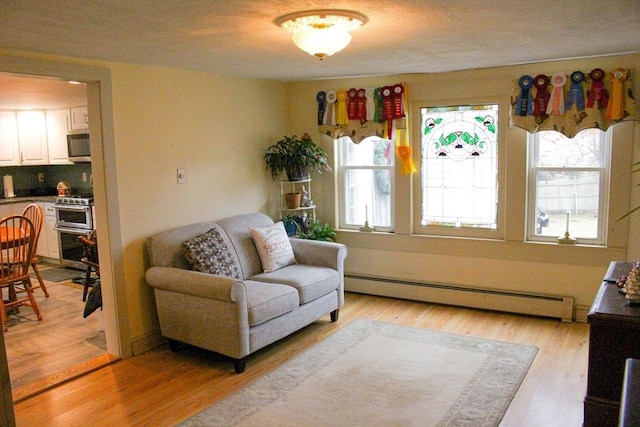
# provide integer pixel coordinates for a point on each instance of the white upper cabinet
(9, 150)
(58, 124)
(79, 118)
(32, 138)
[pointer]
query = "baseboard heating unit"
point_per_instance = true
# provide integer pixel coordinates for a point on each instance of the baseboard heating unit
(490, 299)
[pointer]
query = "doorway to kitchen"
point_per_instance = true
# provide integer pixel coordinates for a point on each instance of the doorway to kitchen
(98, 97)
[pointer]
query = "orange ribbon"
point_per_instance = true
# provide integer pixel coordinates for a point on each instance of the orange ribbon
(615, 109)
(404, 151)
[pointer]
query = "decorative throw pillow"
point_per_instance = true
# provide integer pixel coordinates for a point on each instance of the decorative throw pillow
(273, 246)
(208, 253)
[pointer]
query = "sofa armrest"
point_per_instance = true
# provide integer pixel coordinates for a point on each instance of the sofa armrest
(194, 283)
(315, 252)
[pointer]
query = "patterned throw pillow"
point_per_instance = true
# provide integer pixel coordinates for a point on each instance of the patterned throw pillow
(273, 246)
(208, 253)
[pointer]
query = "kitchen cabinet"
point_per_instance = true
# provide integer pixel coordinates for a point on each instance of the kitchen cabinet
(79, 118)
(48, 245)
(32, 138)
(58, 125)
(9, 149)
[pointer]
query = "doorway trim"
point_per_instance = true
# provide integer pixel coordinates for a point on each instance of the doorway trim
(103, 168)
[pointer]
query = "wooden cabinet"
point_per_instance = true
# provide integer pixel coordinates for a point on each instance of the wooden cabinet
(32, 138)
(38, 137)
(9, 149)
(614, 336)
(48, 246)
(79, 118)
(58, 125)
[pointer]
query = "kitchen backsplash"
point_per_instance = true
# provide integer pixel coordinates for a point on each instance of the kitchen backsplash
(25, 178)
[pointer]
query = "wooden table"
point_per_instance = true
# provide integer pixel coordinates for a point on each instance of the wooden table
(614, 336)
(8, 235)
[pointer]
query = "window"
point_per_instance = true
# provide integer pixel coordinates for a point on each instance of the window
(366, 183)
(568, 186)
(458, 170)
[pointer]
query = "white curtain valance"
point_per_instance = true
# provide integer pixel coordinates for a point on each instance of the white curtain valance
(574, 102)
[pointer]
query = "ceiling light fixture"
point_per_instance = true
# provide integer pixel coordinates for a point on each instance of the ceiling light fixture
(322, 33)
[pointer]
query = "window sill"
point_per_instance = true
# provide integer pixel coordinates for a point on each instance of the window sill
(482, 248)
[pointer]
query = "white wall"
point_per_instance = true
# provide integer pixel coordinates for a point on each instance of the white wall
(216, 128)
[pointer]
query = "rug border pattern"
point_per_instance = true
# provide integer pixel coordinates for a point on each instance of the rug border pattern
(482, 403)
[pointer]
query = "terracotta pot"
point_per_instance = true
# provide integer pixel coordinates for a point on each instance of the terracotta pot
(292, 200)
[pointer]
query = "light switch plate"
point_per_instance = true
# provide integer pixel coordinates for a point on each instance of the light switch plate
(181, 176)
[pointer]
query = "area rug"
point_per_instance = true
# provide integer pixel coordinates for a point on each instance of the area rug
(59, 274)
(379, 374)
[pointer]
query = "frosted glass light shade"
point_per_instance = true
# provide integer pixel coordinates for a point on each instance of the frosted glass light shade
(322, 33)
(321, 42)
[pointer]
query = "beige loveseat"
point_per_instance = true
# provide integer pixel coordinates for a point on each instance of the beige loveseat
(237, 316)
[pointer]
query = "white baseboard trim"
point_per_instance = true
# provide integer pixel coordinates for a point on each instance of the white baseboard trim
(147, 342)
(561, 307)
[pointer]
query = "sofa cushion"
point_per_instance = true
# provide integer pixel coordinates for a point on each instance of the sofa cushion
(310, 281)
(208, 253)
(273, 246)
(236, 229)
(268, 300)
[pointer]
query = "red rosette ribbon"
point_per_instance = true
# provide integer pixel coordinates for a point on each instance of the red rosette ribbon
(541, 99)
(597, 92)
(352, 104)
(361, 105)
(387, 102)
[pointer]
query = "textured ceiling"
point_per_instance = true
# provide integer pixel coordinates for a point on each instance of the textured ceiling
(239, 37)
(403, 36)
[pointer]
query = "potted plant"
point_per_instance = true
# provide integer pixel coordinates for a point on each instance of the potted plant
(315, 230)
(297, 157)
(290, 224)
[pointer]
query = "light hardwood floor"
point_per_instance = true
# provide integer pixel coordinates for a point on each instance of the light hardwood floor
(61, 346)
(161, 388)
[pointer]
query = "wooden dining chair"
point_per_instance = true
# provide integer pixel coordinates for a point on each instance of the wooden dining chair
(35, 214)
(90, 259)
(17, 236)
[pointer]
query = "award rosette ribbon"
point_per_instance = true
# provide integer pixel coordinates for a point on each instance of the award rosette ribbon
(525, 102)
(330, 114)
(597, 92)
(369, 93)
(398, 102)
(321, 97)
(342, 118)
(352, 104)
(404, 152)
(378, 115)
(556, 102)
(576, 95)
(542, 96)
(615, 109)
(387, 103)
(361, 106)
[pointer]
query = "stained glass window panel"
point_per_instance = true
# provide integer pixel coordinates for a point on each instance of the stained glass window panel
(459, 168)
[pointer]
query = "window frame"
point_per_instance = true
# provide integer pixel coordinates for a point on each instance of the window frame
(603, 199)
(343, 191)
(466, 232)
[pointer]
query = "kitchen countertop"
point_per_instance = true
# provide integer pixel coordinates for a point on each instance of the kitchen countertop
(7, 201)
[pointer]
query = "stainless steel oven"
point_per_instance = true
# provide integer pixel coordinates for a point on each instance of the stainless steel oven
(74, 217)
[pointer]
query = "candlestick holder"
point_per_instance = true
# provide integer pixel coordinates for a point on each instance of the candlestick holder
(366, 227)
(566, 239)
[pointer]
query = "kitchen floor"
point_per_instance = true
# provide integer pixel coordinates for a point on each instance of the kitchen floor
(43, 352)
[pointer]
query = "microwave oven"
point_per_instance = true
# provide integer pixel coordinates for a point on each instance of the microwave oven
(78, 146)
